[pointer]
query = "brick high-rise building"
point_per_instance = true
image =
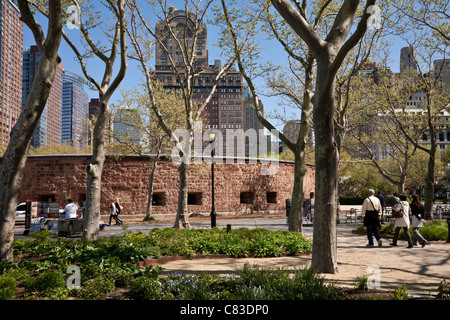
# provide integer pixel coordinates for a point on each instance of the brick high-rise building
(48, 131)
(11, 38)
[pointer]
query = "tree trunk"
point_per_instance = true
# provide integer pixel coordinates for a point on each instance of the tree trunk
(401, 185)
(91, 227)
(296, 213)
(327, 163)
(298, 195)
(181, 220)
(429, 183)
(16, 154)
(150, 188)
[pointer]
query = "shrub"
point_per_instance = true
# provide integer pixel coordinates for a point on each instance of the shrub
(96, 289)
(351, 200)
(122, 277)
(44, 282)
(401, 293)
(7, 288)
(42, 235)
(147, 288)
(305, 284)
(362, 283)
(434, 230)
(444, 291)
(431, 231)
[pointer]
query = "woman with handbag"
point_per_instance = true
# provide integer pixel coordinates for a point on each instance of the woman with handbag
(417, 213)
(115, 210)
(401, 214)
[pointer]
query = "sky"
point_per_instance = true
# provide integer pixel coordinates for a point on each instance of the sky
(272, 52)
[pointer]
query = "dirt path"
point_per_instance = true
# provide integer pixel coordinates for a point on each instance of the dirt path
(420, 269)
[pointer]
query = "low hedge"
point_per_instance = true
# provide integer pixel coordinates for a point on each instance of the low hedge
(431, 231)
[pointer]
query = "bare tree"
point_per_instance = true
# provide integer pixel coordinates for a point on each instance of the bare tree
(16, 154)
(329, 53)
(298, 90)
(375, 135)
(105, 88)
(183, 36)
(143, 135)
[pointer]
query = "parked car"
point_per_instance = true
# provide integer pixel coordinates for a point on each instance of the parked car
(20, 213)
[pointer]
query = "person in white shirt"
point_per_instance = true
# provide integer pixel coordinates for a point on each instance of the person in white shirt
(71, 210)
(371, 211)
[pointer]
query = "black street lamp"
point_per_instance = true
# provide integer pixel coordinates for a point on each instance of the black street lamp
(212, 138)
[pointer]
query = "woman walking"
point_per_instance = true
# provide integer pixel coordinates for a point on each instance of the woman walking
(115, 211)
(402, 221)
(417, 213)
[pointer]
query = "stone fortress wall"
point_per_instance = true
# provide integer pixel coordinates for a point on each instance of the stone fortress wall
(239, 187)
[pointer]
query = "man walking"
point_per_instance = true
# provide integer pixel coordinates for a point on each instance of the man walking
(371, 211)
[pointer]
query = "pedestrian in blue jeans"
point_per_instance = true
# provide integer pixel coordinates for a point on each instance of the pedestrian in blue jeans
(371, 211)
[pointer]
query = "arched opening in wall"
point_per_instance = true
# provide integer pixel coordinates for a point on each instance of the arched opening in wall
(195, 198)
(159, 198)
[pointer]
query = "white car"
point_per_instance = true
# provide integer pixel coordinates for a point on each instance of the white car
(20, 213)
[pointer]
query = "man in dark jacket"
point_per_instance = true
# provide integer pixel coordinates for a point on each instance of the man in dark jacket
(383, 204)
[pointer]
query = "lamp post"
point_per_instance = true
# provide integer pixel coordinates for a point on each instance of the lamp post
(212, 138)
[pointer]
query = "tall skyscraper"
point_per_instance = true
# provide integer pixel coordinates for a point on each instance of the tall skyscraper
(441, 71)
(74, 111)
(183, 24)
(11, 38)
(225, 110)
(123, 128)
(94, 107)
(407, 60)
(48, 131)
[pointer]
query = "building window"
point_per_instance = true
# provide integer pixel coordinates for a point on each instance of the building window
(159, 199)
(271, 197)
(195, 198)
(247, 197)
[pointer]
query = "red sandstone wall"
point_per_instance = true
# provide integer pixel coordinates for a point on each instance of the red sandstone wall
(64, 177)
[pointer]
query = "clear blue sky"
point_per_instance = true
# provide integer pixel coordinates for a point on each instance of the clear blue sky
(272, 52)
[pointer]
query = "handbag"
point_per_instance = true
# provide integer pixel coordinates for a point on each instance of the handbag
(397, 210)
